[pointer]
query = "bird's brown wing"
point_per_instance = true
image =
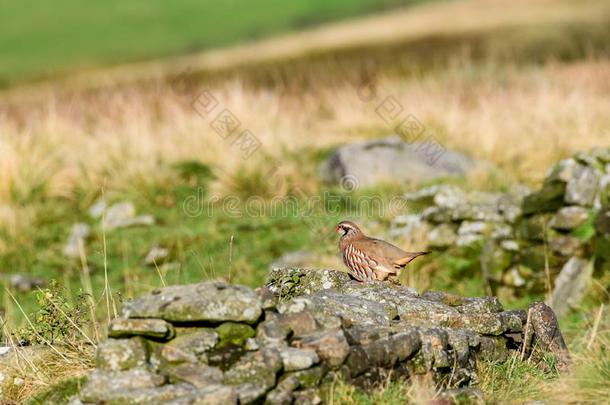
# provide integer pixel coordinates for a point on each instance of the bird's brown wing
(385, 252)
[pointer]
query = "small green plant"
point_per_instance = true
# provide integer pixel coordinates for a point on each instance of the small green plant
(57, 319)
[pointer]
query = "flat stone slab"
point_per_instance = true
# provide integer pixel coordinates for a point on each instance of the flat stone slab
(153, 328)
(205, 302)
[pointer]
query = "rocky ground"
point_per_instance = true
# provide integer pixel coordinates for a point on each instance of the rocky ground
(290, 341)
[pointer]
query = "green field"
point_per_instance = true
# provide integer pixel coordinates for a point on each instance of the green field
(40, 37)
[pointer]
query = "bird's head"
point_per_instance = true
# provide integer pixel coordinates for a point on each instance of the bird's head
(347, 228)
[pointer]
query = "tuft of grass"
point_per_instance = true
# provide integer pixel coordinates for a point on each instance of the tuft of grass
(515, 381)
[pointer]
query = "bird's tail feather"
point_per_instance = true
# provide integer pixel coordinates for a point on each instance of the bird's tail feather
(407, 259)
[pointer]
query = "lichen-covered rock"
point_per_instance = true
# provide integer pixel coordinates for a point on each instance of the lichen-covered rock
(121, 354)
(300, 323)
(330, 344)
(198, 375)
(210, 395)
(210, 302)
(582, 187)
(391, 158)
(549, 198)
(273, 332)
(310, 377)
(298, 359)
(233, 333)
(311, 396)
(352, 309)
(254, 374)
(568, 218)
(288, 283)
(187, 347)
(153, 328)
(282, 394)
(571, 284)
(442, 236)
(545, 328)
(105, 385)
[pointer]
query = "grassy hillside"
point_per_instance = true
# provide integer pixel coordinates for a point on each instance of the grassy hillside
(520, 86)
(39, 37)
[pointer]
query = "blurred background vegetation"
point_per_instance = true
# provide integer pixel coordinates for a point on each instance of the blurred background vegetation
(91, 112)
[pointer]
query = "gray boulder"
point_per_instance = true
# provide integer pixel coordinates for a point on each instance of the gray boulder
(571, 285)
(390, 159)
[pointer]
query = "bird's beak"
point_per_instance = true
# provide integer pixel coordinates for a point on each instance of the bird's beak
(338, 229)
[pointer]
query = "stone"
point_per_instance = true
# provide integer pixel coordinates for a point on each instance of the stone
(309, 396)
(465, 304)
(563, 171)
(25, 282)
(437, 215)
(78, 235)
(282, 394)
(358, 361)
(565, 245)
(331, 345)
(546, 329)
(310, 377)
(123, 215)
(210, 395)
(602, 221)
(494, 261)
(268, 299)
(391, 159)
(464, 395)
(197, 375)
(100, 384)
(152, 328)
(532, 228)
(300, 323)
(98, 208)
(299, 258)
(273, 332)
(145, 396)
(156, 255)
(571, 284)
(568, 218)
(548, 198)
(442, 195)
(510, 245)
(192, 347)
(254, 374)
(492, 348)
(582, 188)
(233, 333)
(288, 283)
(449, 196)
(442, 236)
(331, 303)
(121, 354)
(513, 278)
(408, 226)
(204, 302)
(298, 359)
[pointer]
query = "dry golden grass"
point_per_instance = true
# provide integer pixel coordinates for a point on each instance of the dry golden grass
(521, 119)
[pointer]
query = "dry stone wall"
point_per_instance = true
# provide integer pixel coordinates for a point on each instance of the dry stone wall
(217, 343)
(512, 239)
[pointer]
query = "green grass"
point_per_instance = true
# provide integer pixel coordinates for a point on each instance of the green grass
(39, 37)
